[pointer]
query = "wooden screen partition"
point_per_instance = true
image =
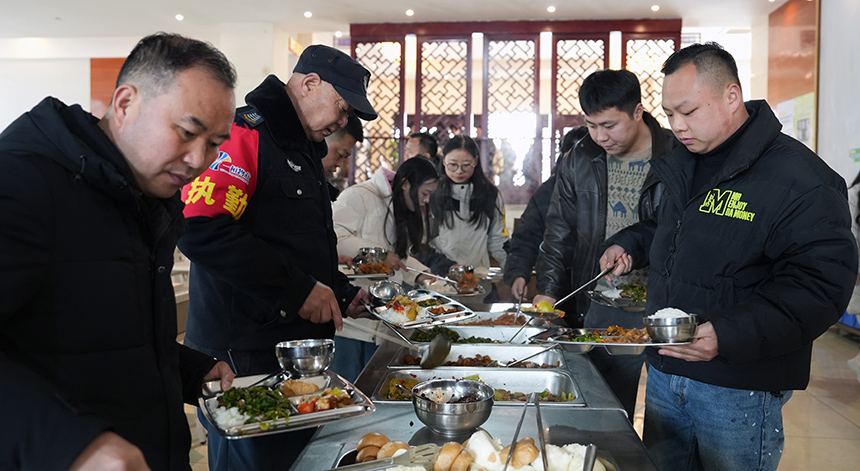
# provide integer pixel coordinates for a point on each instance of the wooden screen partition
(500, 94)
(792, 75)
(103, 74)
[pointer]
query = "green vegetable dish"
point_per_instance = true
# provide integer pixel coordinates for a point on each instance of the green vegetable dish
(426, 336)
(258, 403)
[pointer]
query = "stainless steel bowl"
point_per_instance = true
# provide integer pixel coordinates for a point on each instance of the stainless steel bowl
(670, 329)
(456, 272)
(308, 357)
(452, 419)
(383, 291)
(372, 254)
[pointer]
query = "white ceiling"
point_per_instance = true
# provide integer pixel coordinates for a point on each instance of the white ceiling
(92, 18)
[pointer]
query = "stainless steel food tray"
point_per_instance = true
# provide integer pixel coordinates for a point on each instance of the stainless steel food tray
(521, 380)
(352, 275)
(502, 353)
(496, 333)
(551, 336)
(209, 392)
(492, 316)
(462, 312)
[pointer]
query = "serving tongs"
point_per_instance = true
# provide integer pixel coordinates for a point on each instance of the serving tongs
(532, 397)
(588, 283)
(517, 362)
(421, 455)
(447, 280)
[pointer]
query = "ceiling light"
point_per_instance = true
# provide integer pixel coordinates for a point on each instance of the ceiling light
(179, 17)
(338, 34)
(771, 1)
(655, 7)
(550, 9)
(409, 12)
(308, 14)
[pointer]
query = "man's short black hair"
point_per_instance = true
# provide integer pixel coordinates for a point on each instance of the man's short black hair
(155, 61)
(607, 89)
(427, 143)
(713, 64)
(353, 128)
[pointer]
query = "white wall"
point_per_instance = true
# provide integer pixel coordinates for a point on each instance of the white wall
(33, 68)
(839, 85)
(26, 82)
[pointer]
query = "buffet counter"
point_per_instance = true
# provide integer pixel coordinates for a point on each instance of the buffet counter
(601, 421)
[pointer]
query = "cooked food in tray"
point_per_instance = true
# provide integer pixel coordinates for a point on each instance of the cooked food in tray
(392, 392)
(240, 406)
(468, 282)
(477, 361)
(330, 398)
(428, 335)
(543, 307)
(374, 269)
(421, 308)
(505, 319)
(612, 334)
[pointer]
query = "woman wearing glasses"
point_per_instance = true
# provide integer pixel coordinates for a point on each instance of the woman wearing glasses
(468, 209)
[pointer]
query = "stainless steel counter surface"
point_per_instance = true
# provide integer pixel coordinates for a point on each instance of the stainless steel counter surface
(602, 422)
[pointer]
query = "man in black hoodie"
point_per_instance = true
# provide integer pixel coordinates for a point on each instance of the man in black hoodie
(92, 375)
(754, 236)
(261, 240)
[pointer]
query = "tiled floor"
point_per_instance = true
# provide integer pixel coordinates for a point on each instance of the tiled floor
(822, 423)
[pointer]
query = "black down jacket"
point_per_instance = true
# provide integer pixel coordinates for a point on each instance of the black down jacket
(87, 311)
(576, 221)
(764, 252)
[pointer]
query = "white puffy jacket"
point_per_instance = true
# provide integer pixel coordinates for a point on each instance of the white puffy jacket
(359, 221)
(468, 243)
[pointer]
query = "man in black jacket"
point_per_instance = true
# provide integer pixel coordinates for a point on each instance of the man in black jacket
(260, 236)
(752, 235)
(603, 185)
(92, 375)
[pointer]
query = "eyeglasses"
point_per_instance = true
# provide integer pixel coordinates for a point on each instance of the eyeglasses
(453, 166)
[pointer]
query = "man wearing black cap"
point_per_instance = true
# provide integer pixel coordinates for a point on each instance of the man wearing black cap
(260, 237)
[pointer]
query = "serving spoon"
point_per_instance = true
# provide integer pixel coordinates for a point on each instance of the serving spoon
(435, 352)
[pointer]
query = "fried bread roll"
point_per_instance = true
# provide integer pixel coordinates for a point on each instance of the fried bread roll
(372, 439)
(462, 462)
(449, 452)
(525, 452)
(388, 450)
(368, 453)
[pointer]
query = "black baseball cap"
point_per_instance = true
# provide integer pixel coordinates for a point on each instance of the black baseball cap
(344, 73)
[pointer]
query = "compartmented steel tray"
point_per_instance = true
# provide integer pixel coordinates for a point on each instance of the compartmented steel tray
(454, 311)
(503, 353)
(211, 390)
(352, 275)
(613, 348)
(522, 380)
(626, 304)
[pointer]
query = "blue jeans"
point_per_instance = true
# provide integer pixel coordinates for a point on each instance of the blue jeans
(621, 372)
(350, 357)
(697, 426)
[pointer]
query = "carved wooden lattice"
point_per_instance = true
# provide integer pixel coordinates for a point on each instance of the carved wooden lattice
(575, 59)
(445, 93)
(645, 57)
(380, 147)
